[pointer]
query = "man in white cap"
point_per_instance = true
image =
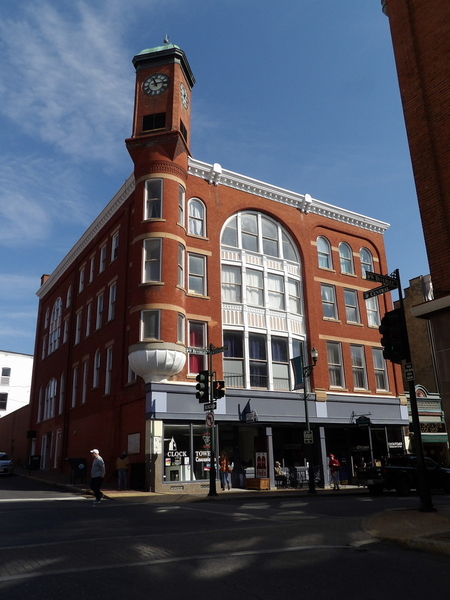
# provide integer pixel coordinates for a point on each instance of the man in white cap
(97, 475)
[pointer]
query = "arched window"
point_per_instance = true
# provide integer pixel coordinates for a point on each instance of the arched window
(55, 326)
(324, 253)
(196, 216)
(365, 256)
(261, 301)
(346, 259)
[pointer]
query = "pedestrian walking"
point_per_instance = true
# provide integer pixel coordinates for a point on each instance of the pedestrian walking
(97, 475)
(122, 464)
(224, 471)
(335, 466)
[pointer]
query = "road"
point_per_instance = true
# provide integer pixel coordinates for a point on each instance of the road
(57, 544)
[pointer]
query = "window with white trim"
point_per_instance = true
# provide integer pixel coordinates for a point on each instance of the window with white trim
(62, 391)
(373, 312)
(181, 258)
(74, 387)
(335, 366)
(50, 399)
(152, 260)
(88, 319)
(181, 204)
(197, 339)
(96, 373)
(346, 259)
(102, 261)
(197, 274)
(324, 257)
(153, 198)
(81, 279)
(231, 283)
(150, 324)
(351, 306)
(112, 301)
(379, 365)
(69, 296)
(109, 366)
(358, 367)
(55, 326)
(91, 268)
(366, 259)
(6, 374)
(181, 322)
(78, 321)
(66, 330)
(115, 246)
(196, 217)
(99, 313)
(84, 381)
(329, 307)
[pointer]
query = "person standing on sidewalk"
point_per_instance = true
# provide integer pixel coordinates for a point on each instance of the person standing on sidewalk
(97, 475)
(122, 464)
(335, 466)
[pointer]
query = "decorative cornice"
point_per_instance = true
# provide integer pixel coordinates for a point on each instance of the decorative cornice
(110, 209)
(216, 175)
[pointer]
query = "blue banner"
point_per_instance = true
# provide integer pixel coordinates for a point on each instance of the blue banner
(297, 367)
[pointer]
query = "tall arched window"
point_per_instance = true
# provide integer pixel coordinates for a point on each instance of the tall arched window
(263, 324)
(346, 259)
(324, 253)
(55, 326)
(196, 216)
(365, 256)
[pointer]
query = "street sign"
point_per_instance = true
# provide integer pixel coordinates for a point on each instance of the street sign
(190, 350)
(384, 279)
(379, 290)
(210, 420)
(409, 372)
(308, 437)
(217, 350)
(210, 406)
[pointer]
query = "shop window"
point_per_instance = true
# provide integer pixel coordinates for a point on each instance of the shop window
(187, 453)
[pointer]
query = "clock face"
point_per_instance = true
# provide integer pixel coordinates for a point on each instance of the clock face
(184, 95)
(155, 84)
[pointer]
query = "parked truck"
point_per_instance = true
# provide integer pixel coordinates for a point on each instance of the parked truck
(400, 473)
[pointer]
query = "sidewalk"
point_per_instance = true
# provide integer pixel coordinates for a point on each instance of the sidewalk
(427, 531)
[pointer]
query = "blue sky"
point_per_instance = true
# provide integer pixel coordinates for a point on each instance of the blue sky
(302, 94)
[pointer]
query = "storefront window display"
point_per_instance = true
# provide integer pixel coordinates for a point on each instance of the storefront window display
(187, 452)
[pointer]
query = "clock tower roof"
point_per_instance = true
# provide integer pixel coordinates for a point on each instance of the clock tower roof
(163, 55)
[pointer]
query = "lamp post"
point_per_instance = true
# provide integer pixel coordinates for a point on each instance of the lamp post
(307, 370)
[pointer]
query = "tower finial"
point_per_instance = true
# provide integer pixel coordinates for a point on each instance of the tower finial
(166, 39)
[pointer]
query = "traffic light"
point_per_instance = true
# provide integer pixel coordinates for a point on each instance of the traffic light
(218, 389)
(395, 337)
(202, 387)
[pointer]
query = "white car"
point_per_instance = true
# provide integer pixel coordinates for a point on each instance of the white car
(6, 464)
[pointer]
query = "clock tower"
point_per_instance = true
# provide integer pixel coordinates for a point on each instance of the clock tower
(162, 106)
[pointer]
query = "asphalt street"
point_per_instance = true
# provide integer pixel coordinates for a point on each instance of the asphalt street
(58, 544)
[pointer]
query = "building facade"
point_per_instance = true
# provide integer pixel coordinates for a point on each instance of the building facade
(191, 267)
(421, 40)
(15, 381)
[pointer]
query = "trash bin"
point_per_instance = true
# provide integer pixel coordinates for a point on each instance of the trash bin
(79, 468)
(35, 462)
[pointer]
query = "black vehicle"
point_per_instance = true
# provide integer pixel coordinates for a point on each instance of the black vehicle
(401, 474)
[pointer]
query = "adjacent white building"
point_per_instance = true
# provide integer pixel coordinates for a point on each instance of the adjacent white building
(15, 381)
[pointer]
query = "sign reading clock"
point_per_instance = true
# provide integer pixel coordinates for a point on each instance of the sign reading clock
(155, 84)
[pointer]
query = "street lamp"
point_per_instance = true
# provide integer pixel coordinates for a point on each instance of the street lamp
(307, 370)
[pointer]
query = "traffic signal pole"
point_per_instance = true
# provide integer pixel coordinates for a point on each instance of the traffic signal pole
(426, 502)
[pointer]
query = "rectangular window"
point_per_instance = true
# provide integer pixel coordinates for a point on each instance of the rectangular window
(44, 347)
(197, 339)
(373, 313)
(85, 382)
(254, 287)
(6, 374)
(257, 352)
(275, 285)
(91, 268)
(280, 363)
(112, 301)
(3, 400)
(153, 198)
(74, 386)
(66, 330)
(152, 259)
(181, 204)
(329, 308)
(181, 328)
(156, 121)
(102, 263)
(233, 360)
(88, 319)
(78, 326)
(62, 391)
(99, 315)
(115, 246)
(335, 367)
(197, 275)
(231, 284)
(379, 365)
(109, 366)
(81, 280)
(294, 296)
(96, 374)
(358, 367)
(181, 265)
(351, 306)
(150, 324)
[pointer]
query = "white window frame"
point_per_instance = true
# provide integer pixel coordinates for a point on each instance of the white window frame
(62, 391)
(115, 246)
(55, 326)
(81, 275)
(373, 312)
(150, 325)
(380, 369)
(335, 369)
(196, 217)
(108, 369)
(346, 262)
(87, 330)
(196, 276)
(102, 259)
(91, 268)
(181, 328)
(181, 204)
(73, 401)
(181, 263)
(96, 370)
(358, 358)
(153, 204)
(78, 322)
(197, 362)
(366, 265)
(112, 296)
(351, 309)
(85, 373)
(99, 311)
(329, 302)
(324, 253)
(151, 248)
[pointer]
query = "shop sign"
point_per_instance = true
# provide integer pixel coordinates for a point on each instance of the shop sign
(202, 456)
(395, 444)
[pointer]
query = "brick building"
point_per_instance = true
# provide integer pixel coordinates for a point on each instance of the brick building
(191, 267)
(421, 40)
